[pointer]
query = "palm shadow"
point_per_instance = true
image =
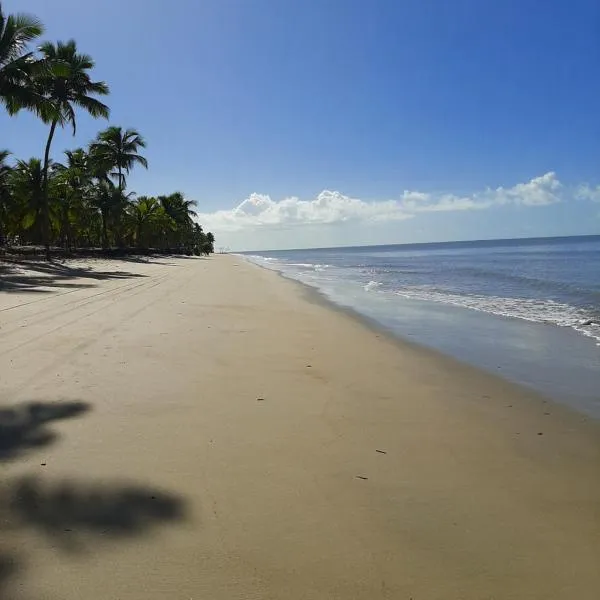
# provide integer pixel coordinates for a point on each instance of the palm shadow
(73, 515)
(33, 276)
(8, 566)
(26, 426)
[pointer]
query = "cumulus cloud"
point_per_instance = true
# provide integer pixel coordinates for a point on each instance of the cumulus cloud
(540, 191)
(329, 207)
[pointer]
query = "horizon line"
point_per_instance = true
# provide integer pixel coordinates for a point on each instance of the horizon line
(531, 239)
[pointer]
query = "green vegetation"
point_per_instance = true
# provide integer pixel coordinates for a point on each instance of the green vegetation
(82, 202)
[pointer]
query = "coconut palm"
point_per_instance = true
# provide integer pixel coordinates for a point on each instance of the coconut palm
(64, 89)
(5, 171)
(119, 149)
(209, 247)
(75, 173)
(16, 63)
(110, 201)
(181, 212)
(148, 220)
(72, 180)
(27, 189)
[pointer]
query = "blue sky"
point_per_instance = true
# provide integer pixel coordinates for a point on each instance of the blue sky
(321, 122)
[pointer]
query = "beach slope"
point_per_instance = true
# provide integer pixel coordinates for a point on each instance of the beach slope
(203, 428)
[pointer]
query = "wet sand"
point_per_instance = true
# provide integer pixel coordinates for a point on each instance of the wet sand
(203, 428)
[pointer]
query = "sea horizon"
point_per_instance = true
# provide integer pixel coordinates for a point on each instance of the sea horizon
(527, 239)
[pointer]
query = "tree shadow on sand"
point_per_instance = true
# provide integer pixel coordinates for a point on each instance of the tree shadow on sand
(8, 567)
(26, 426)
(74, 515)
(39, 277)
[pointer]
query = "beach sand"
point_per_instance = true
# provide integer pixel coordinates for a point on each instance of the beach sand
(204, 429)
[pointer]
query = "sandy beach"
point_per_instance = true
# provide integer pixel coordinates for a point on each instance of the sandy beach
(205, 429)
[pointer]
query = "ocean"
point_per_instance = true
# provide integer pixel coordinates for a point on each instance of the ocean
(528, 309)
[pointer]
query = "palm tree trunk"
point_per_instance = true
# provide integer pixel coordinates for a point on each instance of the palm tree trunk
(119, 223)
(46, 205)
(104, 229)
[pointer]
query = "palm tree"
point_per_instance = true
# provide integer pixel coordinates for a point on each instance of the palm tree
(27, 187)
(5, 171)
(180, 210)
(147, 217)
(63, 90)
(72, 179)
(119, 149)
(209, 247)
(111, 203)
(16, 64)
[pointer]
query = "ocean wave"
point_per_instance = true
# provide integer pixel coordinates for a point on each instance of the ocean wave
(582, 318)
(257, 257)
(534, 310)
(312, 266)
(372, 285)
(589, 328)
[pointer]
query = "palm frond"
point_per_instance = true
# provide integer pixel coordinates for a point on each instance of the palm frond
(94, 107)
(16, 31)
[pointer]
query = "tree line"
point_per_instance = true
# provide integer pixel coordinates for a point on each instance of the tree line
(83, 200)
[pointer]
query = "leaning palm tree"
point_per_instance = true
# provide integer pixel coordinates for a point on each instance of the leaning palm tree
(63, 89)
(16, 63)
(119, 149)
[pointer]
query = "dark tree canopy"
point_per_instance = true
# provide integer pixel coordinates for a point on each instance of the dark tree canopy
(81, 201)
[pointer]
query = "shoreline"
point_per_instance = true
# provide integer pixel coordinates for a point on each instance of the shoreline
(469, 370)
(207, 428)
(554, 383)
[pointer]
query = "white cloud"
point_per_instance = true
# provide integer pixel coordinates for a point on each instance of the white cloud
(587, 192)
(416, 202)
(540, 191)
(330, 207)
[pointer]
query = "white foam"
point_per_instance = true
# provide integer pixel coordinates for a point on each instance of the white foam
(372, 285)
(535, 310)
(589, 330)
(312, 266)
(259, 259)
